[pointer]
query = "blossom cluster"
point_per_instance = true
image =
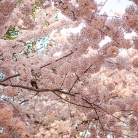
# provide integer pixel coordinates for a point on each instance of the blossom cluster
(74, 82)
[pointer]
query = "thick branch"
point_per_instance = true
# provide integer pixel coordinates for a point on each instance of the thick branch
(36, 90)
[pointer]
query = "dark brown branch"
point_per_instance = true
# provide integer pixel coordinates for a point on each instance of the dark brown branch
(94, 105)
(88, 68)
(10, 77)
(70, 101)
(95, 109)
(23, 101)
(64, 56)
(73, 85)
(74, 82)
(36, 90)
(109, 113)
(98, 118)
(56, 60)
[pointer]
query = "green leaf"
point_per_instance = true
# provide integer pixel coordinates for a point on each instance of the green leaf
(11, 34)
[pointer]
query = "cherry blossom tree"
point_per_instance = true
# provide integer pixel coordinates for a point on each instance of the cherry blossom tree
(58, 82)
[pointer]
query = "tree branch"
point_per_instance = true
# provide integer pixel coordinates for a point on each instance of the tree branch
(95, 105)
(70, 101)
(15, 75)
(36, 90)
(95, 109)
(108, 35)
(101, 6)
(56, 60)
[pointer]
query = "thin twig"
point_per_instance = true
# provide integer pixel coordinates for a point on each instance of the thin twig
(23, 101)
(70, 101)
(15, 75)
(73, 85)
(63, 81)
(88, 68)
(101, 7)
(56, 60)
(95, 105)
(95, 109)
(107, 34)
